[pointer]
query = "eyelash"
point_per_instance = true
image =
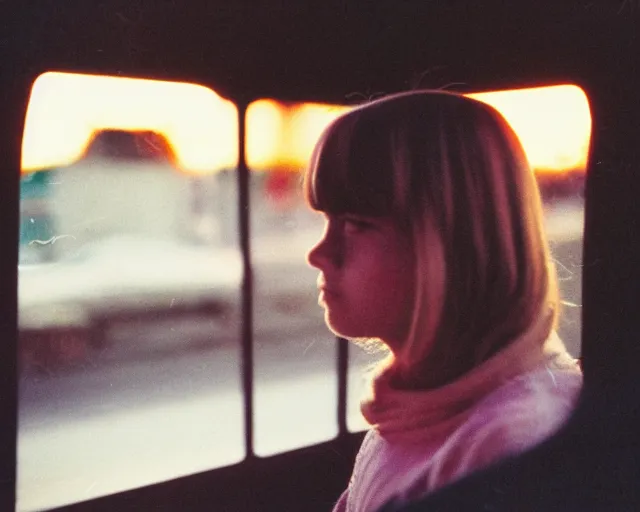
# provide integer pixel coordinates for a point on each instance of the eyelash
(357, 224)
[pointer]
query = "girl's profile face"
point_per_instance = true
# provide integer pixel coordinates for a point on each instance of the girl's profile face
(367, 276)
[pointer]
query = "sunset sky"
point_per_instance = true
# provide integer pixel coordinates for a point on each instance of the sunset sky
(65, 111)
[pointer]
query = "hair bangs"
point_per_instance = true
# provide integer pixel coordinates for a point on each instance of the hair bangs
(351, 170)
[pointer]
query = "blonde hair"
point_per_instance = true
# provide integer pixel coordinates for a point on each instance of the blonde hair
(452, 171)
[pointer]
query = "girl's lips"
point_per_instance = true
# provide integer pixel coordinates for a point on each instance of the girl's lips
(323, 286)
(326, 294)
(327, 290)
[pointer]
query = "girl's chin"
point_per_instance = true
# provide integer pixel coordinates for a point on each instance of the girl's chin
(357, 334)
(334, 326)
(342, 329)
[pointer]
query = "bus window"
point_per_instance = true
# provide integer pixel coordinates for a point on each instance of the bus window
(295, 354)
(129, 281)
(553, 124)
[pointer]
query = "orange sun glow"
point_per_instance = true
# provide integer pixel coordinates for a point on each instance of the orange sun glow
(66, 110)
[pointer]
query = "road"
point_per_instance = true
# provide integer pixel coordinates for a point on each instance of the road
(165, 401)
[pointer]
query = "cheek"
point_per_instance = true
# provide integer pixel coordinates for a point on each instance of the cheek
(378, 299)
(398, 289)
(399, 292)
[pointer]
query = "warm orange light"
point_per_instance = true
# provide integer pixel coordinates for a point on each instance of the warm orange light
(308, 121)
(553, 124)
(66, 109)
(283, 136)
(265, 128)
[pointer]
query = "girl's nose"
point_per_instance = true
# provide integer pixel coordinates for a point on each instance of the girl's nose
(314, 256)
(320, 254)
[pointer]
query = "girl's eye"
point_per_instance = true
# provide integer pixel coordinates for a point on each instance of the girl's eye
(352, 224)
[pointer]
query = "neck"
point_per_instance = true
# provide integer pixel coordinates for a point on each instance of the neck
(431, 375)
(448, 362)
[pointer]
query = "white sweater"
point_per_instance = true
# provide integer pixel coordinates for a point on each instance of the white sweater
(423, 440)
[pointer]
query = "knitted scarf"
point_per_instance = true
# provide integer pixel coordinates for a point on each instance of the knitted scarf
(430, 414)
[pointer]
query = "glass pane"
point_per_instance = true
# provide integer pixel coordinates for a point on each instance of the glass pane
(554, 126)
(296, 380)
(564, 216)
(129, 281)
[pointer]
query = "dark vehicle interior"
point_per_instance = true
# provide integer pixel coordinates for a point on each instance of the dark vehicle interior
(292, 51)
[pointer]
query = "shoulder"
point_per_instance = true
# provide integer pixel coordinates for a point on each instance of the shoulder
(341, 504)
(533, 404)
(526, 409)
(514, 418)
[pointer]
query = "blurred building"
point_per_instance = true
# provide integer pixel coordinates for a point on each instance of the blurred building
(126, 184)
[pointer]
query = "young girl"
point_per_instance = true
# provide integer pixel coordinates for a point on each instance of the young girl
(434, 246)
